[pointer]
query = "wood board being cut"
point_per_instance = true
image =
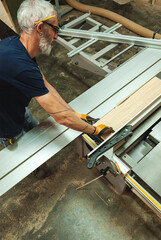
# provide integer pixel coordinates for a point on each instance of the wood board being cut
(126, 110)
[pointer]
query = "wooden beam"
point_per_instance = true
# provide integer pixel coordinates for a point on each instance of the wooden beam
(5, 15)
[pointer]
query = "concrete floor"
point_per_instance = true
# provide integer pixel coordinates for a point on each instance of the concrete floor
(52, 208)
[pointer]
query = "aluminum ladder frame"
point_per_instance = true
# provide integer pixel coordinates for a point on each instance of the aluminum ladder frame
(94, 63)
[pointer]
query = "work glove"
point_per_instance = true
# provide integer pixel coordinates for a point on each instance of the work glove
(86, 118)
(101, 129)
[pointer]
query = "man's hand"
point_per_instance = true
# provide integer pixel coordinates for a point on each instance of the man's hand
(86, 118)
(101, 129)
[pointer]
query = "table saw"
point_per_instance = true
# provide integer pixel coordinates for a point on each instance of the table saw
(128, 97)
(131, 156)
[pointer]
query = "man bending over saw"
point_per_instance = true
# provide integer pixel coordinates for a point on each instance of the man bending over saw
(21, 78)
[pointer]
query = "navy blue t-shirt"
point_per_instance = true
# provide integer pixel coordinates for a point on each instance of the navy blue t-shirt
(20, 80)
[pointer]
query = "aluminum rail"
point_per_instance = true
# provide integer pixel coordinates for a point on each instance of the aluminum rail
(142, 192)
(91, 41)
(139, 41)
(117, 55)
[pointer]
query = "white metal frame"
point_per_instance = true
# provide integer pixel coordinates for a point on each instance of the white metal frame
(94, 63)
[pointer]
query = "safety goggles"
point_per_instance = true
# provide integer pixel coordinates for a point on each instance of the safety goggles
(55, 28)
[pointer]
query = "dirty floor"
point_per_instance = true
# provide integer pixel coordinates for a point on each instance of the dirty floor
(52, 208)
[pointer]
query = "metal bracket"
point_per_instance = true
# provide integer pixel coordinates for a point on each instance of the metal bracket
(125, 132)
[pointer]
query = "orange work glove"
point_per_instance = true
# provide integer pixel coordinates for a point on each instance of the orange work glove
(101, 129)
(86, 118)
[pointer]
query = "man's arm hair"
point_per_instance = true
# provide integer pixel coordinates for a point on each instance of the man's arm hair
(62, 115)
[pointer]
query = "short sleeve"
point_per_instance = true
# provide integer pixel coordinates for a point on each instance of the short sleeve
(31, 83)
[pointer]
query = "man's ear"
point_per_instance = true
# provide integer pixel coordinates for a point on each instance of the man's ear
(39, 27)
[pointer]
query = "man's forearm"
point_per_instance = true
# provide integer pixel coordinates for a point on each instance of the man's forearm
(63, 115)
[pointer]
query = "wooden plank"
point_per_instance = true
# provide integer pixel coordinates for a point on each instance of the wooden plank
(5, 16)
(126, 110)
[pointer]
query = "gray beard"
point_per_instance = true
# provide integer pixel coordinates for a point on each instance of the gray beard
(44, 44)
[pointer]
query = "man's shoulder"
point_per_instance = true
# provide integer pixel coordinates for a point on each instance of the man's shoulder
(14, 54)
(9, 47)
(7, 42)
(12, 46)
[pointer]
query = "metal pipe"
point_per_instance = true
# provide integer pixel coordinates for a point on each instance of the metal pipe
(91, 41)
(117, 38)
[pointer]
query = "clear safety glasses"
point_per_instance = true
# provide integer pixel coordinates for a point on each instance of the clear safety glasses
(55, 28)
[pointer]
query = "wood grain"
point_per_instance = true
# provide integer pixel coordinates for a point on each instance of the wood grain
(5, 16)
(126, 110)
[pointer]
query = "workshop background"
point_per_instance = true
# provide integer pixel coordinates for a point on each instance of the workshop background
(49, 207)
